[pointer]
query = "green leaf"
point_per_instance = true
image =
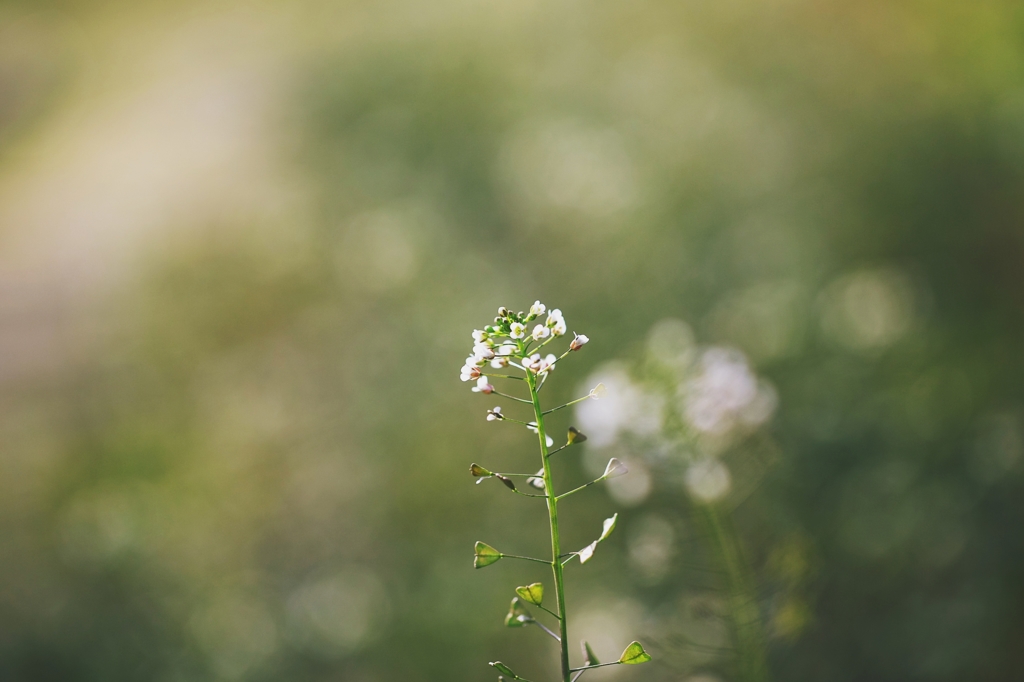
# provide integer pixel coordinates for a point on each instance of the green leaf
(478, 471)
(589, 658)
(485, 555)
(575, 436)
(609, 526)
(517, 616)
(634, 654)
(502, 668)
(532, 594)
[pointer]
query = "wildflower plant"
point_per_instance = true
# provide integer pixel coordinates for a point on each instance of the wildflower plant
(509, 351)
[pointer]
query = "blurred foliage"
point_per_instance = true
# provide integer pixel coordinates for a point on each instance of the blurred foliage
(243, 456)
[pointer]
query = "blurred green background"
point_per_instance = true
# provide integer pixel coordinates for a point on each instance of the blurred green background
(243, 245)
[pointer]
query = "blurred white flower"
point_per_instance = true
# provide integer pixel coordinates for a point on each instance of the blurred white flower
(495, 414)
(479, 335)
(708, 480)
(623, 407)
(537, 309)
(517, 330)
(725, 392)
(762, 407)
(540, 332)
(506, 349)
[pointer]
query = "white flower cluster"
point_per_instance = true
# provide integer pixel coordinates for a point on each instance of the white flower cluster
(511, 342)
(713, 393)
(724, 393)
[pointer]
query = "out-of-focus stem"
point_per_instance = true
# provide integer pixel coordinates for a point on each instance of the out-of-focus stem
(745, 617)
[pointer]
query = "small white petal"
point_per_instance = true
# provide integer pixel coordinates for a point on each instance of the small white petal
(537, 480)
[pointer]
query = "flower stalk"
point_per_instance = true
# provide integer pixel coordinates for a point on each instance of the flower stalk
(556, 565)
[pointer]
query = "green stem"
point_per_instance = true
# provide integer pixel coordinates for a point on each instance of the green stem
(596, 665)
(556, 565)
(572, 402)
(511, 397)
(526, 558)
(544, 628)
(520, 492)
(746, 619)
(547, 610)
(576, 490)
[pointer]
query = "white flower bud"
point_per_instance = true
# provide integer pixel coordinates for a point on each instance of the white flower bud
(578, 342)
